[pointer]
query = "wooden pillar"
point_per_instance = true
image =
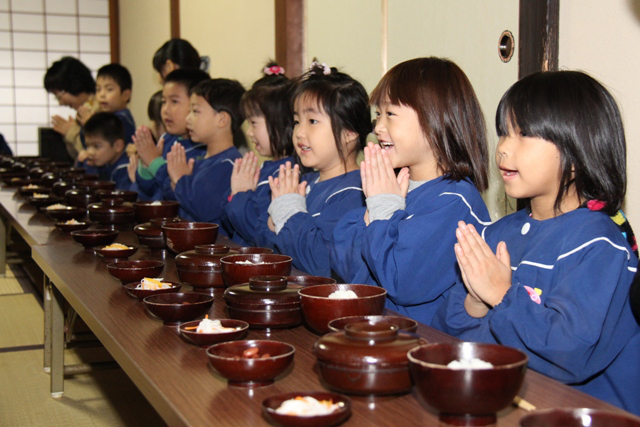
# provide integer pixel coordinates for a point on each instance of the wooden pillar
(114, 30)
(174, 16)
(290, 36)
(538, 45)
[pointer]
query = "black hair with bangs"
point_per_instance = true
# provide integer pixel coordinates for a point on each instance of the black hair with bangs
(580, 117)
(342, 98)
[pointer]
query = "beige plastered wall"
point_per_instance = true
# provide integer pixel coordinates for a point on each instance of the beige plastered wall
(603, 39)
(144, 27)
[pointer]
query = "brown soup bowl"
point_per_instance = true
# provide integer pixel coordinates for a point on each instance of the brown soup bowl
(94, 237)
(472, 395)
(146, 211)
(271, 404)
(67, 213)
(68, 228)
(176, 307)
(578, 417)
(318, 309)
(205, 340)
(135, 270)
(238, 269)
(113, 255)
(227, 359)
(403, 323)
(186, 235)
(130, 289)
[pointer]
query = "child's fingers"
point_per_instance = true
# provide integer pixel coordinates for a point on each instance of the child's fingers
(302, 188)
(503, 254)
(481, 244)
(363, 177)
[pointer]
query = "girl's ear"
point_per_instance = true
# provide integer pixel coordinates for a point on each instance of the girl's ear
(348, 137)
(169, 66)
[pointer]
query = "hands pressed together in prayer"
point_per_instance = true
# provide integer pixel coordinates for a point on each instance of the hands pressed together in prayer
(177, 164)
(146, 146)
(245, 174)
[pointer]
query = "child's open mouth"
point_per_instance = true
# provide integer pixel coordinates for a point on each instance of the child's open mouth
(386, 144)
(304, 148)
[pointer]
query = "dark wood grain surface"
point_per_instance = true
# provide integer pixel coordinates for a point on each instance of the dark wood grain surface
(175, 376)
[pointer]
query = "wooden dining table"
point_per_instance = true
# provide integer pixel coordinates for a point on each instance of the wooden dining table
(175, 376)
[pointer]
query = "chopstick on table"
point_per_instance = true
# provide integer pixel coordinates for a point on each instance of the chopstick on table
(523, 404)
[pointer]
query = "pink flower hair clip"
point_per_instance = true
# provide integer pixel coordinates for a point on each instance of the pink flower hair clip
(326, 70)
(273, 70)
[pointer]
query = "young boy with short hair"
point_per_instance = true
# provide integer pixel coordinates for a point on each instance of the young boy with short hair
(104, 136)
(113, 93)
(175, 108)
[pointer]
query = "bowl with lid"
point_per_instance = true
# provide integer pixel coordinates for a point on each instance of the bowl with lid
(72, 225)
(80, 197)
(200, 268)
(228, 330)
(95, 185)
(341, 411)
(177, 307)
(126, 195)
(145, 211)
(135, 270)
(150, 234)
(324, 303)
(238, 269)
(251, 363)
(366, 359)
(186, 235)
(264, 302)
(578, 417)
(404, 323)
(42, 200)
(64, 213)
(111, 212)
(482, 380)
(29, 189)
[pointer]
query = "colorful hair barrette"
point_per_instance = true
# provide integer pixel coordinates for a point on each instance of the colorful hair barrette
(326, 70)
(273, 70)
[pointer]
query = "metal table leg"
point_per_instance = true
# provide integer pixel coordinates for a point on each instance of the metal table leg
(57, 343)
(48, 302)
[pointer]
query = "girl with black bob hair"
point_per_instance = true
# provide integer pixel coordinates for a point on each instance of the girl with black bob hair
(174, 54)
(560, 292)
(267, 108)
(331, 120)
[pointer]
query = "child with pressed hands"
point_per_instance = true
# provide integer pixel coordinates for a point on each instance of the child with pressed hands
(267, 107)
(174, 111)
(553, 279)
(331, 119)
(214, 120)
(105, 140)
(430, 126)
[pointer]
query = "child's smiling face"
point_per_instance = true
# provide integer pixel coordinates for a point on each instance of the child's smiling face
(201, 123)
(259, 135)
(110, 96)
(175, 108)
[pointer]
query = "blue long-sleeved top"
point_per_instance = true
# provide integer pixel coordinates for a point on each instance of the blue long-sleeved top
(201, 194)
(568, 305)
(411, 254)
(306, 236)
(242, 212)
(129, 124)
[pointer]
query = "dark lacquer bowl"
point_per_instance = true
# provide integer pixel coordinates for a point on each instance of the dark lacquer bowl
(113, 255)
(68, 228)
(135, 270)
(472, 396)
(96, 237)
(186, 235)
(338, 416)
(318, 309)
(265, 302)
(79, 197)
(274, 357)
(238, 269)
(50, 178)
(111, 211)
(66, 213)
(126, 195)
(146, 211)
(304, 281)
(366, 359)
(29, 189)
(188, 332)
(200, 268)
(43, 202)
(403, 323)
(60, 188)
(150, 233)
(249, 250)
(96, 185)
(141, 294)
(177, 307)
(578, 417)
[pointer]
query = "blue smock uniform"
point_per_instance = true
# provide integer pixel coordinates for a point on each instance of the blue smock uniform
(306, 236)
(242, 212)
(568, 305)
(411, 254)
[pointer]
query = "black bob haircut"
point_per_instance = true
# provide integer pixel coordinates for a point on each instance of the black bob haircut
(179, 51)
(69, 75)
(224, 96)
(579, 116)
(105, 125)
(118, 73)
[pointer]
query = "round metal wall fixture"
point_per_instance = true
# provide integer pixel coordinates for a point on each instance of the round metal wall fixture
(506, 46)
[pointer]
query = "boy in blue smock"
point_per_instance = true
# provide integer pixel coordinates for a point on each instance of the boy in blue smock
(214, 120)
(104, 136)
(113, 93)
(175, 108)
